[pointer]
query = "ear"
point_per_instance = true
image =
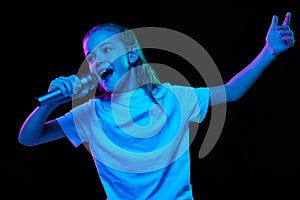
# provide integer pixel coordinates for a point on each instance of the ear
(133, 54)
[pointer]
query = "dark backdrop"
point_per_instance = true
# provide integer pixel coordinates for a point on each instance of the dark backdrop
(258, 152)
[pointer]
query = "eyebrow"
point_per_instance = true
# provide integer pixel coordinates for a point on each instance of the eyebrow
(100, 45)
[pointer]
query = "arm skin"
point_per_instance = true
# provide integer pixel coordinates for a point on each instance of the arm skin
(36, 130)
(278, 40)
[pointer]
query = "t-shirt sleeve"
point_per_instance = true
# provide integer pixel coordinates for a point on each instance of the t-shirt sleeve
(194, 101)
(202, 96)
(67, 124)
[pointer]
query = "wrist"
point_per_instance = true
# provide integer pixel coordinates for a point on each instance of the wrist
(268, 50)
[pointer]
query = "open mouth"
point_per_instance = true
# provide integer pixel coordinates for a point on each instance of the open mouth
(106, 74)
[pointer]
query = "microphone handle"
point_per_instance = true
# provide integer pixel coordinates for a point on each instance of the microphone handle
(50, 97)
(89, 81)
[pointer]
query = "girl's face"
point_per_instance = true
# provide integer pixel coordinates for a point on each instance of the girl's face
(107, 57)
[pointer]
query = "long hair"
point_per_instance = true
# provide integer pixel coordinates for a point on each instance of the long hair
(146, 76)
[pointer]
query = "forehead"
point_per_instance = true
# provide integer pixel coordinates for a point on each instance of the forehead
(100, 38)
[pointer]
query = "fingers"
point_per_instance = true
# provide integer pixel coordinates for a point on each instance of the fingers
(288, 39)
(287, 19)
(274, 22)
(78, 85)
(64, 84)
(285, 23)
(287, 34)
(283, 27)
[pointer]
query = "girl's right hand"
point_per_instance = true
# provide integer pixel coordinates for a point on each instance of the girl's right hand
(70, 87)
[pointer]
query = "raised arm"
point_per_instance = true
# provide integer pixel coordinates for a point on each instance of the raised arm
(278, 39)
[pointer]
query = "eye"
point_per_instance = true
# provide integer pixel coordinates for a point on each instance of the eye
(91, 58)
(106, 49)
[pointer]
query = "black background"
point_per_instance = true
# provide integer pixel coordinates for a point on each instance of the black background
(257, 155)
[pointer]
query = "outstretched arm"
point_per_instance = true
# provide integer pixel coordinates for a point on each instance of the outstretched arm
(279, 38)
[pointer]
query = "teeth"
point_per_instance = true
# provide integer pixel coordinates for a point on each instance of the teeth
(103, 72)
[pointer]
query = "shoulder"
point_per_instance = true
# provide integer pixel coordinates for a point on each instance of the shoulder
(181, 89)
(86, 106)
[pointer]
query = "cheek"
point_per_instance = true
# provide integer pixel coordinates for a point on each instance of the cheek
(122, 64)
(92, 69)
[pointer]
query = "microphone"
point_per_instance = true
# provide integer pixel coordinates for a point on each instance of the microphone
(89, 81)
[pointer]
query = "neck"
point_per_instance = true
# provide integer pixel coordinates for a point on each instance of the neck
(127, 83)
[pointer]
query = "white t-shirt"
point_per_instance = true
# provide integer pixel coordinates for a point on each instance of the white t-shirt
(140, 149)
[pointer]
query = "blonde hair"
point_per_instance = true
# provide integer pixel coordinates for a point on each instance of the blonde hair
(146, 76)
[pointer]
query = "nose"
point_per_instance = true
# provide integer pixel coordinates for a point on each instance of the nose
(97, 66)
(100, 65)
(100, 62)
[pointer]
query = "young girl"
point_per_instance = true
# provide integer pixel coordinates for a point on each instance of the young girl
(135, 127)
